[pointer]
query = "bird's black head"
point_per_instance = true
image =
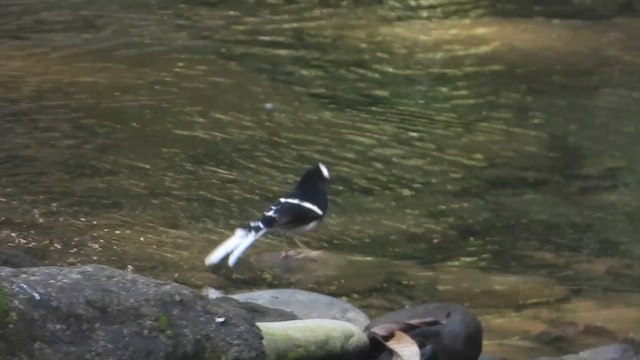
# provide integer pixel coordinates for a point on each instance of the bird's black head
(317, 174)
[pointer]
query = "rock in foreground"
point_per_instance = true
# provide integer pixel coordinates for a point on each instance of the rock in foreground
(298, 301)
(314, 339)
(97, 312)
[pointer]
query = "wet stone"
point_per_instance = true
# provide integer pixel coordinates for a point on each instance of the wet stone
(98, 312)
(314, 339)
(297, 302)
(456, 333)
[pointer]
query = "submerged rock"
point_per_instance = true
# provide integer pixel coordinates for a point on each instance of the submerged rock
(298, 302)
(583, 321)
(13, 257)
(480, 289)
(325, 271)
(97, 312)
(607, 352)
(561, 332)
(314, 339)
(388, 283)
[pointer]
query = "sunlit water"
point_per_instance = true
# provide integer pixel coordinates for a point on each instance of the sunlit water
(141, 133)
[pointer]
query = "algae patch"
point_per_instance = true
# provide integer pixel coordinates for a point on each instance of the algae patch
(163, 324)
(5, 309)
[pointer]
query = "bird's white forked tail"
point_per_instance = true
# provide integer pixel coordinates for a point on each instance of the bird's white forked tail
(233, 246)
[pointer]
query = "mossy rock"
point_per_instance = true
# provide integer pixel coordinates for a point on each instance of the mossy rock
(314, 339)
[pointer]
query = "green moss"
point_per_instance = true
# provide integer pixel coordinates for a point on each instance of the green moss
(212, 354)
(5, 308)
(163, 324)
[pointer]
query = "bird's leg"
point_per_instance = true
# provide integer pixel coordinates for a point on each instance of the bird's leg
(302, 251)
(295, 253)
(285, 253)
(300, 245)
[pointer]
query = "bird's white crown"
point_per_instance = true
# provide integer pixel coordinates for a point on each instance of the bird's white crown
(325, 171)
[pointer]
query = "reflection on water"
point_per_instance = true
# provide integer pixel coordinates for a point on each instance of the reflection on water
(136, 133)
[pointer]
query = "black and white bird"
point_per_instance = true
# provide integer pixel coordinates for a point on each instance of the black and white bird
(299, 211)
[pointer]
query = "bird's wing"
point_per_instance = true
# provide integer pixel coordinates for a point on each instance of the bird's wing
(290, 213)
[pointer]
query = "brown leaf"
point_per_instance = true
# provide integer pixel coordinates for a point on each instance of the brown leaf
(403, 347)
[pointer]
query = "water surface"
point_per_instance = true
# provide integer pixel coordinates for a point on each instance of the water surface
(139, 134)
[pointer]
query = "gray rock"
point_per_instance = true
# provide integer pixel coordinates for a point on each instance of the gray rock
(257, 312)
(314, 339)
(261, 313)
(97, 312)
(607, 352)
(458, 338)
(488, 357)
(298, 302)
(212, 293)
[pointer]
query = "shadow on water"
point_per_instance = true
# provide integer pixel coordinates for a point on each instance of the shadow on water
(136, 134)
